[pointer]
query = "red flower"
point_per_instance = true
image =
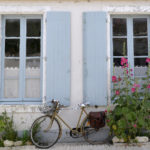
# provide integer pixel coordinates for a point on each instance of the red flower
(132, 90)
(134, 125)
(147, 60)
(107, 120)
(114, 79)
(148, 86)
(117, 92)
(105, 111)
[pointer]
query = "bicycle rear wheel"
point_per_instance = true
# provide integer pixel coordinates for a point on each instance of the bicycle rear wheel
(45, 132)
(95, 136)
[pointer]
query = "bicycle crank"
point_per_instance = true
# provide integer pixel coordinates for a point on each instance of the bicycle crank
(75, 133)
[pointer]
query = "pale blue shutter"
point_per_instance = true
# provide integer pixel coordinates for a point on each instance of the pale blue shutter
(95, 57)
(58, 56)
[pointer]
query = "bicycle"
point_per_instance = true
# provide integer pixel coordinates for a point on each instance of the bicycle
(47, 130)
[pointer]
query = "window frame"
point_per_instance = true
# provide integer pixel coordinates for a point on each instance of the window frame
(22, 64)
(130, 37)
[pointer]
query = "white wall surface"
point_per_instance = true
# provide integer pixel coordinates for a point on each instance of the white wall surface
(25, 114)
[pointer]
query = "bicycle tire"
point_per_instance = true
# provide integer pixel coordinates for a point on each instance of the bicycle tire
(95, 136)
(41, 135)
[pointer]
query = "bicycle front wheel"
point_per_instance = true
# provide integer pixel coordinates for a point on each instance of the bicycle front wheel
(45, 132)
(95, 136)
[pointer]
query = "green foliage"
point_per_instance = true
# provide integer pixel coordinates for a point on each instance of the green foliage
(7, 127)
(7, 131)
(1, 143)
(25, 137)
(131, 114)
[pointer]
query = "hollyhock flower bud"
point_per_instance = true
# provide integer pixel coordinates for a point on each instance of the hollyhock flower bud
(133, 90)
(123, 61)
(114, 79)
(148, 86)
(119, 79)
(136, 85)
(147, 60)
(117, 92)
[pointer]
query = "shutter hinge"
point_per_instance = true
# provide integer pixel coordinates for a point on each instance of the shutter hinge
(44, 58)
(107, 20)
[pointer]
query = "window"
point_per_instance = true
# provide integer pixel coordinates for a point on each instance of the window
(130, 39)
(21, 58)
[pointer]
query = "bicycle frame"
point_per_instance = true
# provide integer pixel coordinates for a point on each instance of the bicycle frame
(79, 125)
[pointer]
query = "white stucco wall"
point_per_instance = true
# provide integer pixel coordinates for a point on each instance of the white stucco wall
(25, 114)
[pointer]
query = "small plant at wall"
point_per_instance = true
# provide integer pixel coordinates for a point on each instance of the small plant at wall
(7, 130)
(25, 137)
(131, 115)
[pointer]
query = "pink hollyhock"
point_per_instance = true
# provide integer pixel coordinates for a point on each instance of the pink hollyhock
(148, 86)
(117, 92)
(114, 78)
(147, 60)
(131, 70)
(127, 65)
(136, 85)
(123, 61)
(133, 90)
(127, 71)
(131, 74)
(105, 111)
(134, 125)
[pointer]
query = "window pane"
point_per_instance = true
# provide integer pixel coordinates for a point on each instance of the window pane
(33, 68)
(118, 71)
(140, 70)
(140, 62)
(140, 66)
(32, 88)
(11, 72)
(119, 47)
(140, 26)
(33, 47)
(12, 28)
(12, 47)
(11, 88)
(119, 27)
(117, 61)
(33, 27)
(140, 47)
(11, 63)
